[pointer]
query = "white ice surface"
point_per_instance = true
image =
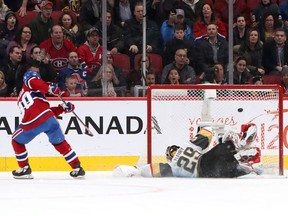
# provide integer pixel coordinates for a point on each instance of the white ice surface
(100, 194)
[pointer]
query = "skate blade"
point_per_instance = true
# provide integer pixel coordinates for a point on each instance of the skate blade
(79, 177)
(24, 177)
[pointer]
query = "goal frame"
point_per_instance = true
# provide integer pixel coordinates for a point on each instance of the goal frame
(204, 87)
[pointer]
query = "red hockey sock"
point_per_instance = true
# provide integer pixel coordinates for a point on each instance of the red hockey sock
(70, 156)
(20, 153)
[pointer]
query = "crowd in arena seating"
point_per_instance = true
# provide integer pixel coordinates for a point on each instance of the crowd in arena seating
(186, 43)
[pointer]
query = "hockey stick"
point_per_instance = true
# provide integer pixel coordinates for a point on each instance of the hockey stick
(87, 130)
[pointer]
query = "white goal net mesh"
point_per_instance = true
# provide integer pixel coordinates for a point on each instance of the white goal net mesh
(174, 114)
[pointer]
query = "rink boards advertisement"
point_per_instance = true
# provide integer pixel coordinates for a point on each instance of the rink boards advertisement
(119, 128)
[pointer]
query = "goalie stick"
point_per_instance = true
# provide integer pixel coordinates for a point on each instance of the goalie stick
(87, 130)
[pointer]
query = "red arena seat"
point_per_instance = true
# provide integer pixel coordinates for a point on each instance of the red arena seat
(122, 61)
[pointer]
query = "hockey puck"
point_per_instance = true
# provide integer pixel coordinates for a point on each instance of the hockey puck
(240, 110)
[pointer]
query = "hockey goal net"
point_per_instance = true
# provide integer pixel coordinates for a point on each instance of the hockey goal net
(175, 112)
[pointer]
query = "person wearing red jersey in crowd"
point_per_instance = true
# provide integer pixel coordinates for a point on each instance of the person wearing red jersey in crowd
(38, 117)
(71, 87)
(57, 47)
(91, 51)
(208, 16)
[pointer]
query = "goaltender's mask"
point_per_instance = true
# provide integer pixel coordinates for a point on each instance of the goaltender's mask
(171, 151)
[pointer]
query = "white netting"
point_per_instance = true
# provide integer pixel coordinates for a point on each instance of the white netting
(175, 114)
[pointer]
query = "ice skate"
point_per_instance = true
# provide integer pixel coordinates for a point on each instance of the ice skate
(23, 173)
(77, 173)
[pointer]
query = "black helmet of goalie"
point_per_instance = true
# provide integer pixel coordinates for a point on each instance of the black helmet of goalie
(171, 151)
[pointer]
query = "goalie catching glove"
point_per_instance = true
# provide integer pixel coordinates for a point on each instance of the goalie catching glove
(68, 107)
(244, 139)
(250, 160)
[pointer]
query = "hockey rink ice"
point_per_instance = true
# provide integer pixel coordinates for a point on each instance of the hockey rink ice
(55, 193)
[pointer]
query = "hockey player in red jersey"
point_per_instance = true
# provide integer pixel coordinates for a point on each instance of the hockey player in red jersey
(38, 117)
(232, 157)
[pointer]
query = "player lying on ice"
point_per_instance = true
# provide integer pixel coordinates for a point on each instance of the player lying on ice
(234, 156)
(38, 117)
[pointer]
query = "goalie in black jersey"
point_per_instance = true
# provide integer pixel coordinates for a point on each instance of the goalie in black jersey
(234, 156)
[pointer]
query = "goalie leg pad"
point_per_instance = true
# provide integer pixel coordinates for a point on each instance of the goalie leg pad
(161, 170)
(126, 171)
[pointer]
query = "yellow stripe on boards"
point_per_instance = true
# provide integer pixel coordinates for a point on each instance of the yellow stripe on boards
(89, 163)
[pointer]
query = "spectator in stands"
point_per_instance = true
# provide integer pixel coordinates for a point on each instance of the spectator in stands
(42, 24)
(192, 9)
(284, 83)
(215, 75)
(239, 7)
(150, 78)
(90, 13)
(91, 51)
(168, 26)
(187, 73)
(133, 34)
(3, 10)
(252, 50)
(179, 41)
(115, 40)
(211, 51)
(77, 70)
(239, 33)
(69, 27)
(263, 7)
(71, 89)
(173, 77)
(123, 10)
(257, 80)
(275, 53)
(136, 76)
(58, 48)
(31, 5)
(47, 71)
(3, 85)
(267, 26)
(72, 5)
(240, 74)
(283, 10)
(208, 16)
(13, 5)
(284, 13)
(119, 73)
(105, 80)
(8, 29)
(159, 10)
(23, 39)
(11, 66)
(220, 74)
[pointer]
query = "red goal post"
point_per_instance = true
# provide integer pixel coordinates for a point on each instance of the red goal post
(174, 113)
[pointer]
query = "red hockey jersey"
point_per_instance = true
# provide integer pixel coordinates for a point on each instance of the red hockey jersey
(34, 107)
(58, 57)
